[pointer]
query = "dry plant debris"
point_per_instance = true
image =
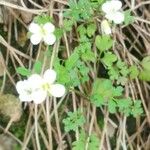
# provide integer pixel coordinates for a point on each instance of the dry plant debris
(100, 53)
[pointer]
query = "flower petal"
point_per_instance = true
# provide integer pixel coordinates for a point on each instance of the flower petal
(106, 7)
(115, 5)
(111, 6)
(57, 90)
(118, 17)
(35, 81)
(35, 39)
(25, 98)
(105, 27)
(109, 16)
(39, 96)
(49, 39)
(21, 86)
(49, 76)
(34, 28)
(49, 27)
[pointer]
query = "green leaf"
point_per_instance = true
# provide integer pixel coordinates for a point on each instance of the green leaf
(129, 19)
(112, 106)
(124, 106)
(63, 76)
(117, 91)
(134, 72)
(81, 29)
(109, 59)
(91, 28)
(144, 75)
(80, 143)
(104, 42)
(58, 33)
(146, 63)
(93, 142)
(37, 67)
(72, 60)
(42, 19)
(103, 89)
(68, 24)
(113, 73)
(88, 56)
(73, 120)
(97, 100)
(78, 11)
(122, 80)
(23, 71)
(136, 108)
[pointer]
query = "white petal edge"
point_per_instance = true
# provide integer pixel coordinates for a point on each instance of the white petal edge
(35, 81)
(25, 98)
(49, 39)
(49, 27)
(35, 39)
(21, 86)
(34, 28)
(106, 7)
(115, 5)
(39, 96)
(57, 90)
(49, 76)
(118, 17)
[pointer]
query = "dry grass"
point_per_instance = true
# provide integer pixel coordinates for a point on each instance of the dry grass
(44, 122)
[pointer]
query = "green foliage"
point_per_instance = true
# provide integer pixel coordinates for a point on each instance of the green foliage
(134, 72)
(117, 69)
(79, 10)
(93, 142)
(73, 121)
(129, 19)
(124, 106)
(74, 71)
(144, 75)
(42, 19)
(97, 3)
(72, 61)
(23, 71)
(104, 93)
(37, 67)
(83, 34)
(85, 52)
(91, 28)
(146, 63)
(145, 72)
(67, 24)
(58, 33)
(103, 42)
(128, 107)
(136, 109)
(80, 144)
(109, 58)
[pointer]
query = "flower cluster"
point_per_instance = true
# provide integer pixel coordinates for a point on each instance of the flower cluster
(42, 33)
(36, 88)
(112, 10)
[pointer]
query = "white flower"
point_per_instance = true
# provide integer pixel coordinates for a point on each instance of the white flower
(42, 33)
(105, 27)
(36, 88)
(113, 11)
(30, 89)
(56, 90)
